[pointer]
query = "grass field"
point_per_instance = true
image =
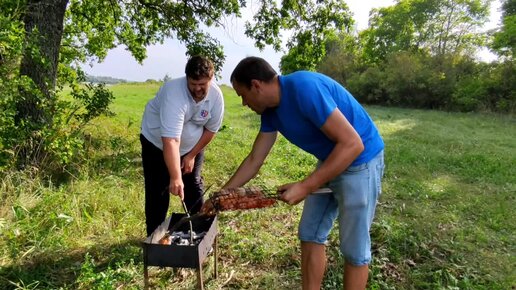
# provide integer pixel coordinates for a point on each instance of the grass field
(445, 219)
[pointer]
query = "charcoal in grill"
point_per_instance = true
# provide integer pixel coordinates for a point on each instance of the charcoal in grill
(182, 238)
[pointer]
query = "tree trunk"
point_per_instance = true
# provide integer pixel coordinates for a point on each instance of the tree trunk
(44, 29)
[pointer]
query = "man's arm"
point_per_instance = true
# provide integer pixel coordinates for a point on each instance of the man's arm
(254, 161)
(172, 160)
(188, 159)
(348, 147)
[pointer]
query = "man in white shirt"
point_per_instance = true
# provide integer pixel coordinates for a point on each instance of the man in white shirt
(177, 124)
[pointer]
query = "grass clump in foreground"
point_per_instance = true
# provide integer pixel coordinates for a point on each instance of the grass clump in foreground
(444, 220)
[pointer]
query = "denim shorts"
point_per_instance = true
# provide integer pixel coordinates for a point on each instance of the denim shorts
(353, 202)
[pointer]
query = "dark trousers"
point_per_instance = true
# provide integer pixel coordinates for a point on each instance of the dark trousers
(157, 180)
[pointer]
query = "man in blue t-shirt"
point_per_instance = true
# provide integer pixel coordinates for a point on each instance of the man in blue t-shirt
(321, 117)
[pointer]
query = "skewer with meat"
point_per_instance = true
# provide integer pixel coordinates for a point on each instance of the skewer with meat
(237, 199)
(240, 198)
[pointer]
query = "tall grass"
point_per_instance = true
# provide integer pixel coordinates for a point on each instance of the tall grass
(444, 220)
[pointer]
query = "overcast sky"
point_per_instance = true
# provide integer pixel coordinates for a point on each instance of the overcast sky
(169, 58)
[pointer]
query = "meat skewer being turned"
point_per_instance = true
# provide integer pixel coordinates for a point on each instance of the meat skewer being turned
(240, 198)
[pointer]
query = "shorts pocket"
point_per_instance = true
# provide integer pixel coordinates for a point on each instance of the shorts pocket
(354, 186)
(356, 168)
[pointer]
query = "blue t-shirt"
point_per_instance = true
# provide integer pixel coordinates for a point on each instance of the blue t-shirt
(307, 100)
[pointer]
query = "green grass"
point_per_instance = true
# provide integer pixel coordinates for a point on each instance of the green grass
(445, 218)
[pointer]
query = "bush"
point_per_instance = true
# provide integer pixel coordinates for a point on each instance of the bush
(467, 97)
(57, 144)
(501, 87)
(418, 80)
(366, 87)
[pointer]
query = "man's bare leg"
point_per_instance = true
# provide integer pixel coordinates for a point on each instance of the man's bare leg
(313, 265)
(355, 277)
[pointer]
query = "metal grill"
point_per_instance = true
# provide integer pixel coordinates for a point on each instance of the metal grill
(184, 256)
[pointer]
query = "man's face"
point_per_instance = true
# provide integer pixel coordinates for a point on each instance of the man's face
(198, 88)
(250, 96)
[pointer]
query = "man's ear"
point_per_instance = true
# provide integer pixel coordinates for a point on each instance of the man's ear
(255, 83)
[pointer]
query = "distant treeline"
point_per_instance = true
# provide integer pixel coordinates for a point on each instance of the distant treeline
(420, 54)
(104, 80)
(419, 80)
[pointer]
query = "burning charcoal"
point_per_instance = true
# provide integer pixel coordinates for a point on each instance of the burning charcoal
(166, 240)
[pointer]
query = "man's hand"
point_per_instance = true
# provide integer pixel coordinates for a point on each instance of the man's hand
(172, 159)
(187, 164)
(293, 193)
(176, 187)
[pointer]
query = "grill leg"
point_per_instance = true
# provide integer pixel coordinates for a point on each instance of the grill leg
(200, 282)
(145, 277)
(215, 254)
(145, 269)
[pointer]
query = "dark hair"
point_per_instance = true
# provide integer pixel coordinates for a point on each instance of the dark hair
(199, 67)
(252, 68)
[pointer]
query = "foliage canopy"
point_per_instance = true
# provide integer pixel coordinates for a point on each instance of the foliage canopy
(437, 27)
(43, 42)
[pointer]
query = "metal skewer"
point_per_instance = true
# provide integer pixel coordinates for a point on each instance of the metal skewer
(190, 221)
(322, 190)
